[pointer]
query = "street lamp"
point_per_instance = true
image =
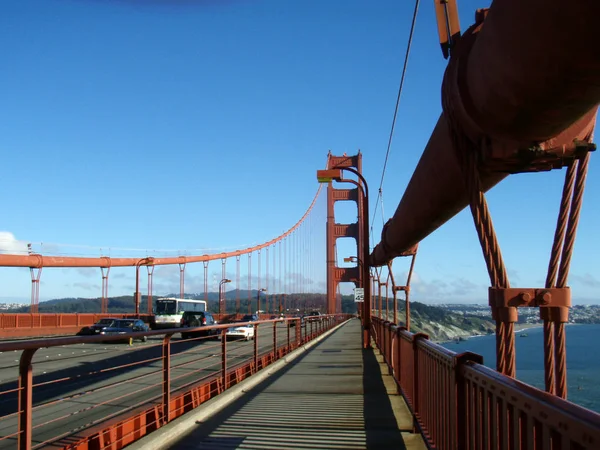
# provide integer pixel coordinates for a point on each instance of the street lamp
(222, 309)
(356, 259)
(137, 295)
(257, 301)
(335, 174)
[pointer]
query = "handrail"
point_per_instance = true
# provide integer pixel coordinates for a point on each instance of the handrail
(458, 403)
(168, 390)
(71, 340)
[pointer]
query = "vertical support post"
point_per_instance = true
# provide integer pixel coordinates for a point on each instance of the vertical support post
(105, 271)
(395, 305)
(274, 341)
(25, 399)
(166, 369)
(379, 309)
(150, 273)
(205, 263)
(387, 311)
(407, 290)
(330, 238)
(237, 284)
(267, 281)
(255, 347)
(182, 279)
(407, 307)
(258, 301)
(223, 306)
(279, 296)
(35, 288)
(373, 293)
(399, 358)
(136, 294)
(224, 358)
(250, 283)
(258, 278)
(382, 338)
(416, 377)
(287, 324)
(298, 332)
(304, 332)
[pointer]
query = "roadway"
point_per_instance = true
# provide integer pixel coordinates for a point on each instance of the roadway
(92, 389)
(340, 397)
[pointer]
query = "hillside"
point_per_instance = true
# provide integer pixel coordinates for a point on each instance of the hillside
(442, 325)
(125, 304)
(438, 322)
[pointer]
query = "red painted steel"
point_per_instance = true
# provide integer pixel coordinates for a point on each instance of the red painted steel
(45, 324)
(333, 230)
(182, 277)
(105, 271)
(39, 261)
(36, 273)
(457, 403)
(120, 429)
(522, 93)
(336, 166)
(150, 270)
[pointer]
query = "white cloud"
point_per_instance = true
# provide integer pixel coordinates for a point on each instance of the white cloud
(587, 279)
(88, 272)
(458, 290)
(11, 245)
(87, 286)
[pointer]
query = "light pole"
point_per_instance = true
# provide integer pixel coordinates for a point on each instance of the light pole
(257, 302)
(222, 308)
(137, 296)
(282, 304)
(356, 259)
(335, 174)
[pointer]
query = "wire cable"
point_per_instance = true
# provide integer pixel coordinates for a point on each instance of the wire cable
(387, 153)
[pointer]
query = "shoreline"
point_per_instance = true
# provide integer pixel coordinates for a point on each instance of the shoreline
(519, 327)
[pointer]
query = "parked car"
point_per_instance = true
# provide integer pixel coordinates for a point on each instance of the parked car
(194, 319)
(245, 332)
(95, 329)
(126, 326)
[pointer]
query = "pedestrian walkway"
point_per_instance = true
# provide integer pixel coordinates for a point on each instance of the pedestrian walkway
(334, 397)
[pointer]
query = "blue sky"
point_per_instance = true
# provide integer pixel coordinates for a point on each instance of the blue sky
(186, 125)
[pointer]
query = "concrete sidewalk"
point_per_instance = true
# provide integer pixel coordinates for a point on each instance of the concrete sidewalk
(333, 397)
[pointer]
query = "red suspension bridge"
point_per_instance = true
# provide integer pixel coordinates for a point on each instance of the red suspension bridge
(514, 100)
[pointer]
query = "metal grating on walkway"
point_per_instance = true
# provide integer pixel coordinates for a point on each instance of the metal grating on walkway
(331, 398)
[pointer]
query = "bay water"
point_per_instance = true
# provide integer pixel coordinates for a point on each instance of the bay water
(583, 360)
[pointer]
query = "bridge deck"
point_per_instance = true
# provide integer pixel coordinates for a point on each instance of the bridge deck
(334, 397)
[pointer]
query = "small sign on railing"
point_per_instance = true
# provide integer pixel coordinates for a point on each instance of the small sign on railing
(359, 294)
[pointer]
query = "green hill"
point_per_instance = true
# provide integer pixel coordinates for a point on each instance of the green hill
(125, 304)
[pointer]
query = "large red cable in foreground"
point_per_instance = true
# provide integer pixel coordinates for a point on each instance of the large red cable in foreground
(524, 83)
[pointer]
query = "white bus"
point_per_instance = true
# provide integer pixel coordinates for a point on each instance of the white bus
(168, 311)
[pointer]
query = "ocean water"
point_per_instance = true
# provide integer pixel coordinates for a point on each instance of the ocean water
(583, 360)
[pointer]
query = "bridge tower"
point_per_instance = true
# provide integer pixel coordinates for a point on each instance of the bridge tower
(335, 274)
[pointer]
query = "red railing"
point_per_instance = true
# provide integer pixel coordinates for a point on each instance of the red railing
(112, 402)
(58, 320)
(31, 325)
(16, 325)
(458, 403)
